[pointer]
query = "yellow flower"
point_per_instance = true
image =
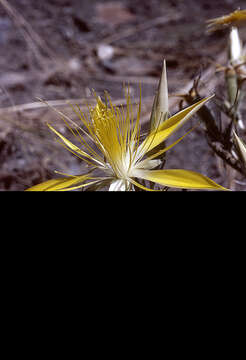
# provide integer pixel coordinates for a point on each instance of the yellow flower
(236, 18)
(121, 155)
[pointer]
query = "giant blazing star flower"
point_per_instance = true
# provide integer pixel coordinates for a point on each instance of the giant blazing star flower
(121, 154)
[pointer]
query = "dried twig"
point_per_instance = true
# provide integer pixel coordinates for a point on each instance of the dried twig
(61, 103)
(161, 20)
(34, 41)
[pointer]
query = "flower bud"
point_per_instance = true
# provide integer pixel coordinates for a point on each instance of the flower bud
(160, 106)
(235, 47)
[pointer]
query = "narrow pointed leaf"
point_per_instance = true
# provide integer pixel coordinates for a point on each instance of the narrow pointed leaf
(241, 147)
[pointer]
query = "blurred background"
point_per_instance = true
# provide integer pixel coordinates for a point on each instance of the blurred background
(59, 50)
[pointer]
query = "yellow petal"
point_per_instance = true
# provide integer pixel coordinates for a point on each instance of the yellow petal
(236, 18)
(66, 141)
(178, 178)
(170, 125)
(59, 184)
(73, 147)
(162, 151)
